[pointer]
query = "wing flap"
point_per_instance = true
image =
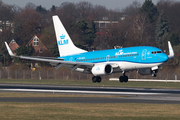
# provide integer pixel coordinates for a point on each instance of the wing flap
(54, 60)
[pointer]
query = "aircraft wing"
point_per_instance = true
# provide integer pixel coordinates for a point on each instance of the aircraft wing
(53, 61)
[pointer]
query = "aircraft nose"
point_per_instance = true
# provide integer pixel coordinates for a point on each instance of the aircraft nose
(165, 57)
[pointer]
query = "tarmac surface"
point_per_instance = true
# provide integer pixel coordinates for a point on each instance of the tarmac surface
(110, 94)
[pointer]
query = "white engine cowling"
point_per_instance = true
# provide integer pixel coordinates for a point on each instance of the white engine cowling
(102, 69)
(145, 71)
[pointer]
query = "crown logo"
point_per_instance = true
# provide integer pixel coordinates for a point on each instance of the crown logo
(62, 36)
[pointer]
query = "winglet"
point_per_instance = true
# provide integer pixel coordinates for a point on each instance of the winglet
(9, 50)
(171, 52)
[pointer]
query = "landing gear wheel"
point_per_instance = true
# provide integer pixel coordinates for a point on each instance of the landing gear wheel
(125, 79)
(96, 79)
(121, 79)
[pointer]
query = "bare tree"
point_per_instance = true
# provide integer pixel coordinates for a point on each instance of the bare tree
(27, 24)
(5, 35)
(1, 2)
(6, 18)
(132, 9)
(139, 26)
(30, 6)
(84, 9)
(67, 10)
(6, 13)
(100, 12)
(16, 9)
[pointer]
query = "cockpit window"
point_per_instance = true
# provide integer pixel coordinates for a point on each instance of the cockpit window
(155, 52)
(159, 51)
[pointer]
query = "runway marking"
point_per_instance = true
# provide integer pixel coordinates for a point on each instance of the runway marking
(74, 91)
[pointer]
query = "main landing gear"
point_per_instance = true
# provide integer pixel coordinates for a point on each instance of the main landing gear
(96, 79)
(123, 78)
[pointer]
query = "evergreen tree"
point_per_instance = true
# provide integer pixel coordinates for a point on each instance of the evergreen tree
(174, 39)
(91, 33)
(41, 9)
(55, 50)
(2, 58)
(82, 25)
(86, 31)
(150, 10)
(53, 8)
(25, 50)
(162, 30)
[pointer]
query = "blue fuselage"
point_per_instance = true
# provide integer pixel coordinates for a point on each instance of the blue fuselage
(143, 55)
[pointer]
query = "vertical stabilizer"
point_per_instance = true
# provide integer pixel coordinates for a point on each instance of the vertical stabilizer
(65, 44)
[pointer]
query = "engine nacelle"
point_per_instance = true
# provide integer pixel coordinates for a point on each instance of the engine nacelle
(102, 69)
(145, 72)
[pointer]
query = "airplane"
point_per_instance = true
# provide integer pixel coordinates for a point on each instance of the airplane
(146, 60)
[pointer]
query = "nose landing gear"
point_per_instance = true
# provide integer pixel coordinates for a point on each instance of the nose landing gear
(154, 73)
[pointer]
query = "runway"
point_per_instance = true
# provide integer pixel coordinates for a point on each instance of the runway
(114, 94)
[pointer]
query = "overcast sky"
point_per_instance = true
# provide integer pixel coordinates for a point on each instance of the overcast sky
(110, 4)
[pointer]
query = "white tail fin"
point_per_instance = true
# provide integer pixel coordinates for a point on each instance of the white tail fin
(65, 44)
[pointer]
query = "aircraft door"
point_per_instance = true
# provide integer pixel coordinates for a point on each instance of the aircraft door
(144, 54)
(107, 58)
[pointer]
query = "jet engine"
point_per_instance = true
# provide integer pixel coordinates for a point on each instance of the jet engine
(148, 72)
(102, 69)
(145, 72)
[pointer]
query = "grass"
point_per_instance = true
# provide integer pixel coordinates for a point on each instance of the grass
(89, 83)
(69, 111)
(19, 94)
(80, 111)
